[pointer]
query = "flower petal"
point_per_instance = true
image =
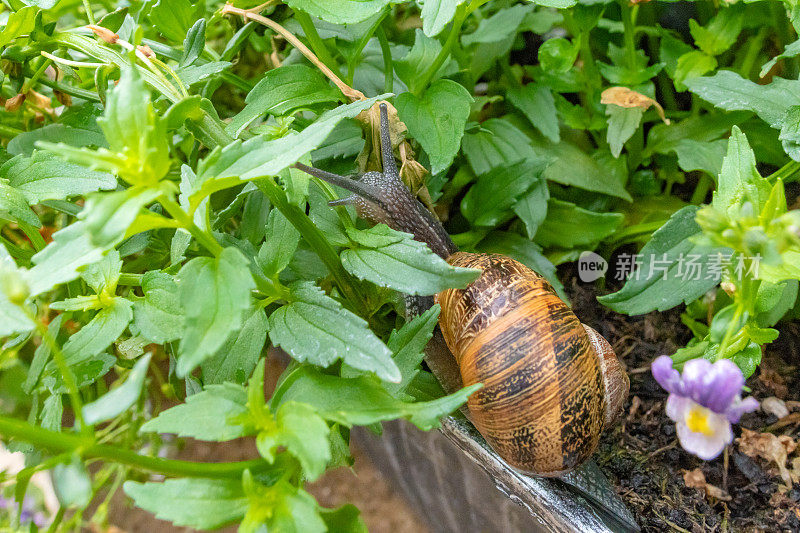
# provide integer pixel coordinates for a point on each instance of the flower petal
(665, 375)
(740, 407)
(723, 385)
(706, 447)
(677, 406)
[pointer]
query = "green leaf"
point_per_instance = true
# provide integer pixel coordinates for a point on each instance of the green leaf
(260, 157)
(496, 144)
(214, 293)
(653, 289)
(728, 90)
(25, 143)
(537, 103)
(622, 124)
(739, 180)
(93, 338)
(236, 359)
(393, 259)
(101, 225)
(340, 11)
(437, 120)
(531, 208)
(690, 66)
(215, 414)
(194, 43)
(720, 33)
(436, 14)
(118, 400)
(345, 519)
(192, 502)
(489, 201)
(419, 59)
(573, 166)
(282, 90)
(18, 23)
(12, 279)
(568, 225)
(278, 249)
(72, 483)
(701, 155)
(281, 507)
(174, 18)
(303, 433)
(46, 177)
(159, 315)
(192, 74)
(363, 400)
(790, 132)
(408, 344)
(14, 206)
(314, 327)
(748, 359)
(134, 131)
(664, 138)
(791, 50)
(499, 26)
(558, 4)
(41, 356)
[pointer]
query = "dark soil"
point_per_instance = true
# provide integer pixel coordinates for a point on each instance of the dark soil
(642, 457)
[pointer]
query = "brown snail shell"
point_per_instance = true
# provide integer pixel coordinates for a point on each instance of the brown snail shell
(545, 400)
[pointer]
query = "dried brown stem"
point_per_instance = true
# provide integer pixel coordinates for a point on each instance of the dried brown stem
(348, 91)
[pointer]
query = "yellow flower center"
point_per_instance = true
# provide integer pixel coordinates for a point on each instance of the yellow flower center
(698, 420)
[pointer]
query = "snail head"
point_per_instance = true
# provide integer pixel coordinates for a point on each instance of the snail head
(382, 198)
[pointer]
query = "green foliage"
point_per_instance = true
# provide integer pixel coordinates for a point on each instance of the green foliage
(156, 241)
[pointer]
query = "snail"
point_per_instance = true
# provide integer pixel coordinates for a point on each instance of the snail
(550, 383)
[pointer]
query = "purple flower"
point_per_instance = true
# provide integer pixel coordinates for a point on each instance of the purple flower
(703, 402)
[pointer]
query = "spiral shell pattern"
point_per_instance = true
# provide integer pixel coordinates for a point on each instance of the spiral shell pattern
(542, 406)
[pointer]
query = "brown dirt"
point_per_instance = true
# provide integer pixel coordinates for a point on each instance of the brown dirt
(642, 455)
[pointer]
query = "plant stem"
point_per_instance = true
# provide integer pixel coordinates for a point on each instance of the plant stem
(362, 42)
(753, 49)
(701, 190)
(425, 78)
(388, 64)
(176, 212)
(67, 442)
(347, 284)
(788, 173)
(317, 44)
(630, 32)
(130, 280)
(89, 13)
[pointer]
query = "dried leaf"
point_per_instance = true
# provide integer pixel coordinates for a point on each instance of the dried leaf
(774, 406)
(695, 479)
(624, 97)
(770, 447)
(773, 381)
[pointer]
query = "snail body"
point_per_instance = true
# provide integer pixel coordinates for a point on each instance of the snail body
(550, 384)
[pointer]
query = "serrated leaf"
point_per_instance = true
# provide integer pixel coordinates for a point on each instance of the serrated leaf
(537, 103)
(720, 33)
(698, 155)
(728, 90)
(193, 502)
(345, 519)
(408, 344)
(499, 26)
(280, 242)
(363, 400)
(120, 399)
(436, 120)
(393, 259)
(217, 413)
(20, 22)
(303, 433)
(14, 206)
(282, 90)
(236, 359)
(739, 180)
(260, 157)
(314, 327)
(159, 315)
(93, 338)
(496, 144)
(419, 59)
(280, 507)
(46, 177)
(489, 201)
(214, 293)
(649, 290)
(531, 208)
(340, 11)
(568, 225)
